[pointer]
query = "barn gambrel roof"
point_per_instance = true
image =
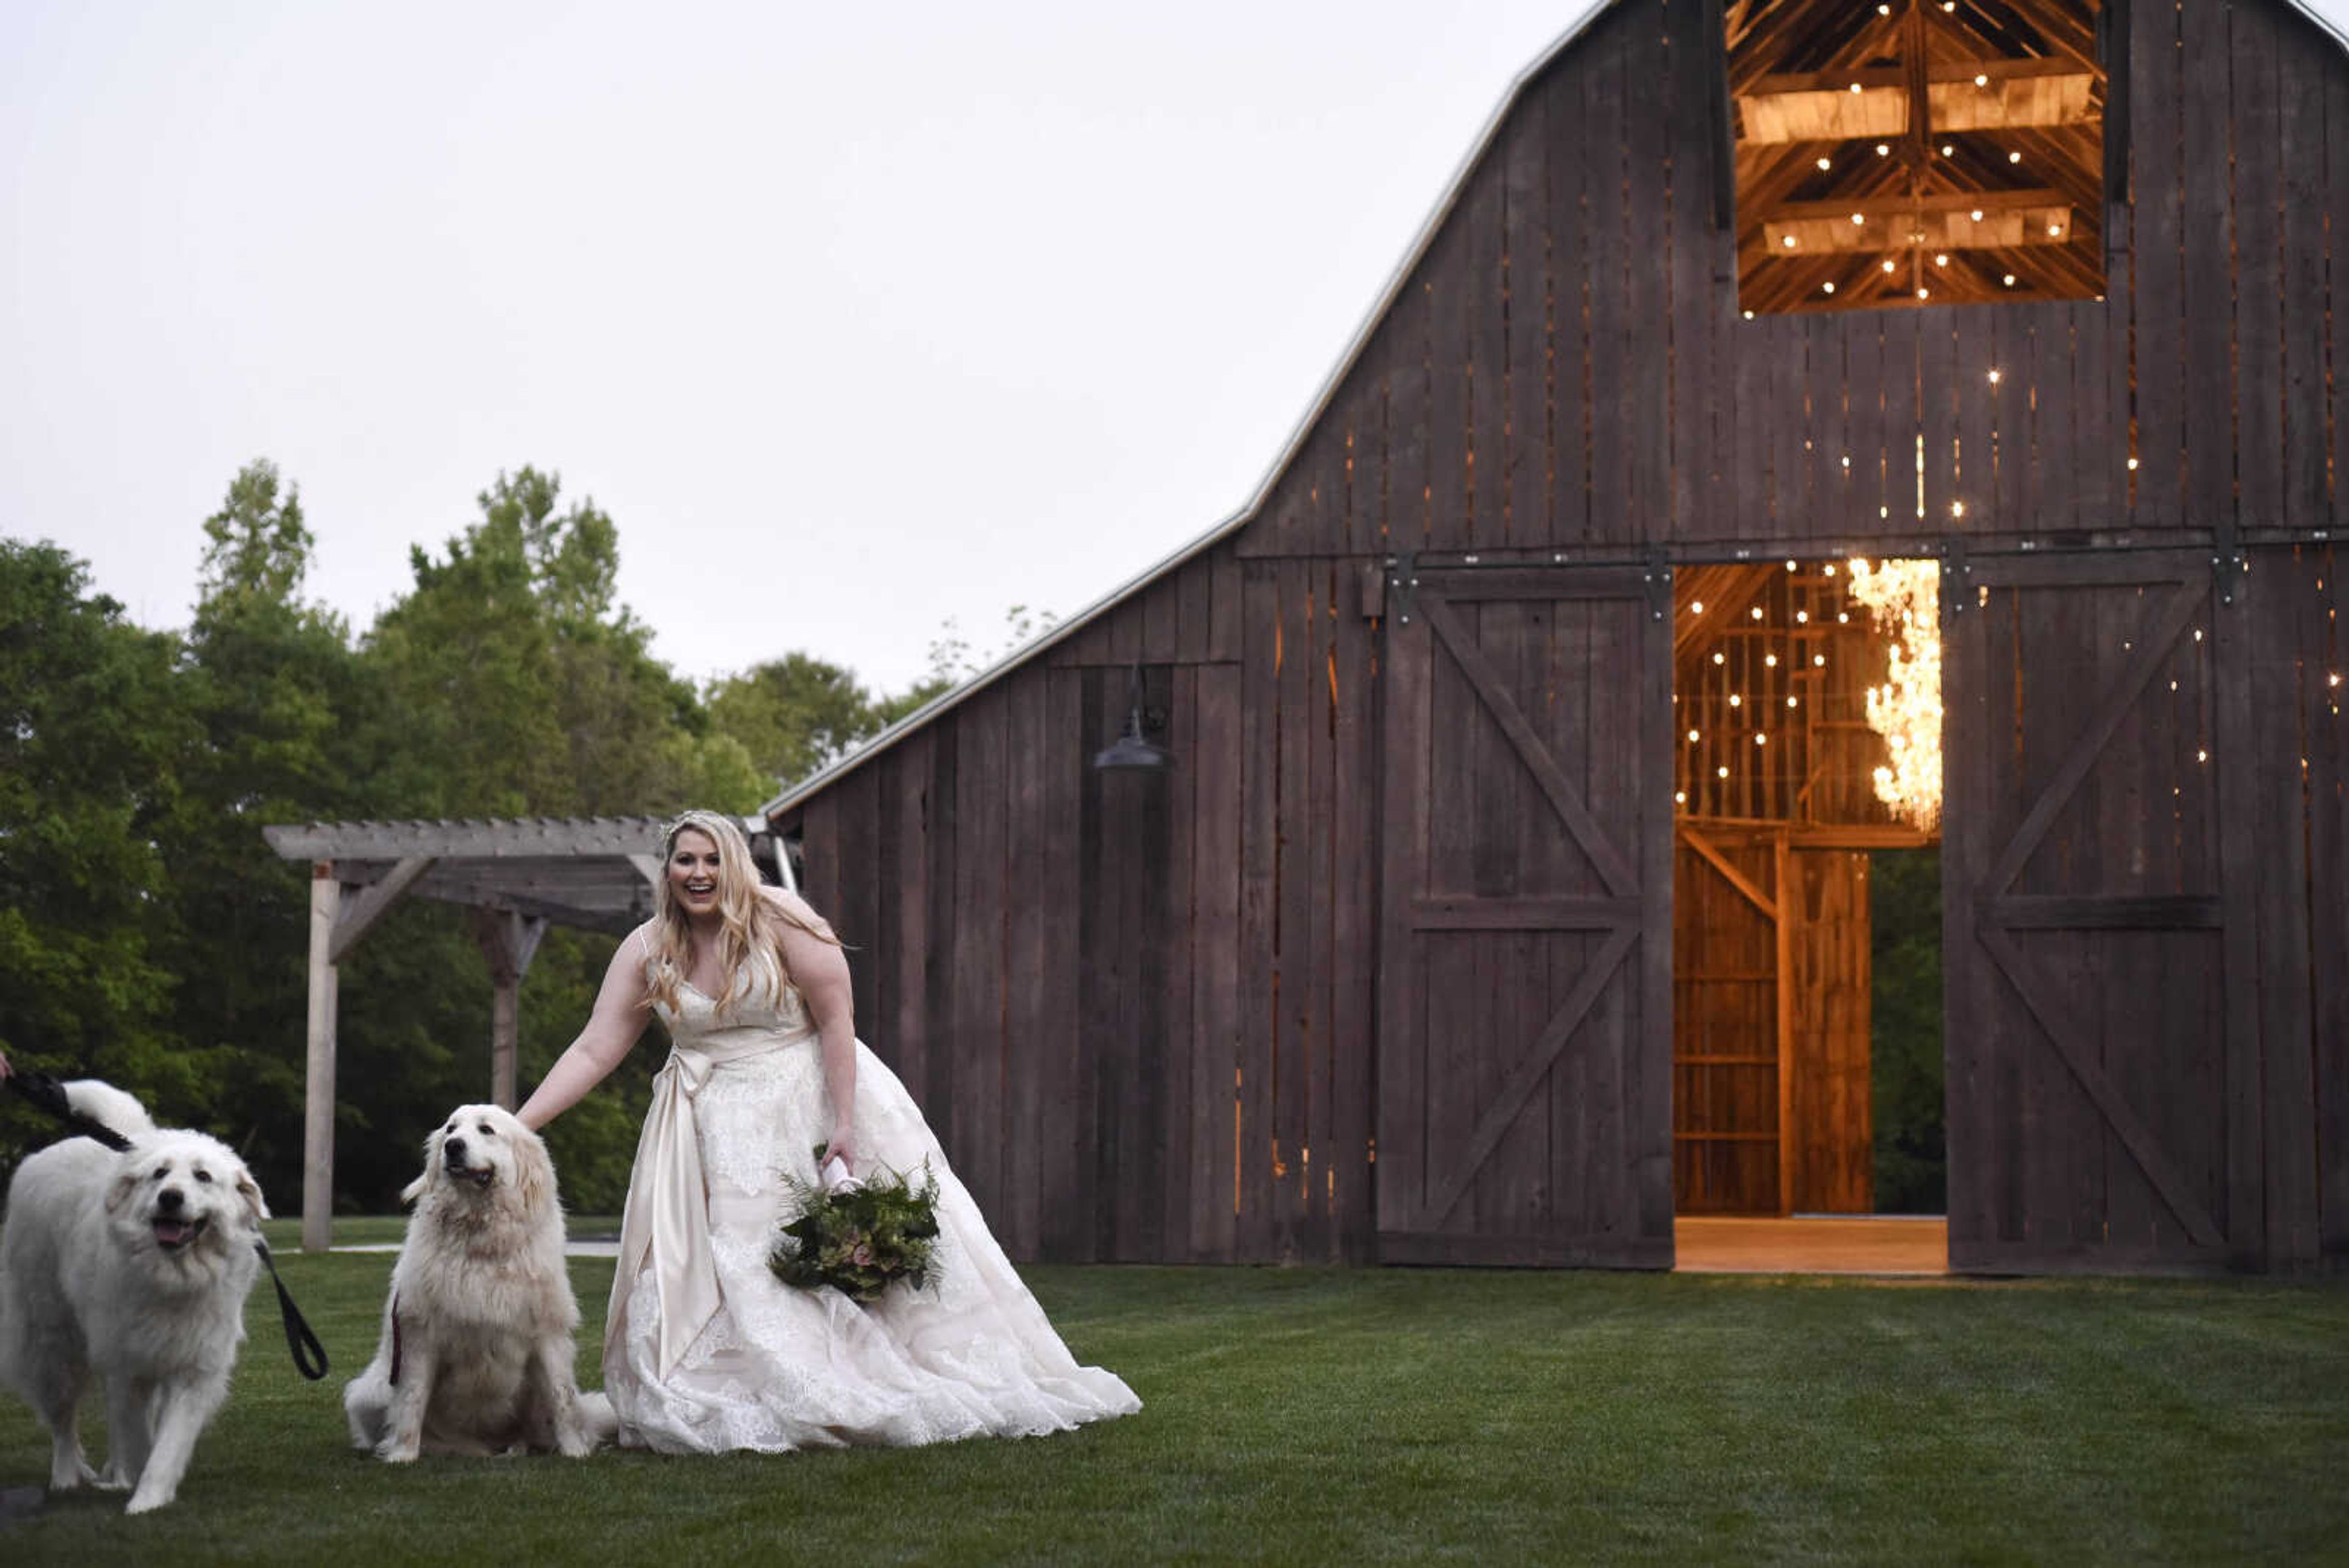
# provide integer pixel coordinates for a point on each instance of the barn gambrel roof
(2331, 17)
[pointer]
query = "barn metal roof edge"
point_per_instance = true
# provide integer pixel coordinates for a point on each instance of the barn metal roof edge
(1347, 358)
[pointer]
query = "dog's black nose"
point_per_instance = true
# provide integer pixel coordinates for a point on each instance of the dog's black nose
(453, 1149)
(169, 1200)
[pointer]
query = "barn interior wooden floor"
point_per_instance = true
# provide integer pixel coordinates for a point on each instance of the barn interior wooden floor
(1812, 1245)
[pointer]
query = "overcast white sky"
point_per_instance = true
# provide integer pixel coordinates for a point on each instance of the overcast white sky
(854, 318)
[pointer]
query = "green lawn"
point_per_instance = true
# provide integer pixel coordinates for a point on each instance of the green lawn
(1317, 1415)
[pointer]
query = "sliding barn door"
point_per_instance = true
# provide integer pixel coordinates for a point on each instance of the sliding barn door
(1524, 977)
(2101, 1032)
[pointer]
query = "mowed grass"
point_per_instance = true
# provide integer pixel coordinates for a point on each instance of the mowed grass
(1321, 1416)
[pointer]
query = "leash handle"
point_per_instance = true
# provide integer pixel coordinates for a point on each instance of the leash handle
(309, 1355)
(46, 1093)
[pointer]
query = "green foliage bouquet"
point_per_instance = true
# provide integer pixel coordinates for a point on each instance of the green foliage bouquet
(862, 1238)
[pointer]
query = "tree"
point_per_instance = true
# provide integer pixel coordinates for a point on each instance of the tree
(530, 692)
(793, 714)
(90, 722)
(285, 727)
(954, 660)
(519, 686)
(1904, 1070)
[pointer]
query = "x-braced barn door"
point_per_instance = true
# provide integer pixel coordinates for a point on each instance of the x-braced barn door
(1525, 971)
(2101, 1049)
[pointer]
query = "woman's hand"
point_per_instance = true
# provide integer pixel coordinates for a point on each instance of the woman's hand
(842, 1145)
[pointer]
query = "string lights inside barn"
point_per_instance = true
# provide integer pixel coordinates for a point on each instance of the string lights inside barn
(1809, 692)
(1904, 599)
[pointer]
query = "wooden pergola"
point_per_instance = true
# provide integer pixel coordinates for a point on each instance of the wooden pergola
(514, 878)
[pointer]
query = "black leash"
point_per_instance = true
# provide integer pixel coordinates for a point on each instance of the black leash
(46, 1093)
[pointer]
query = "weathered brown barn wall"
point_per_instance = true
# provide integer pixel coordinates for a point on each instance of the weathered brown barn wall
(1566, 365)
(1141, 1009)
(1140, 1003)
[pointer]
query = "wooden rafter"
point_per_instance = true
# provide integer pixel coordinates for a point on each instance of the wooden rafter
(1961, 94)
(1939, 220)
(1988, 106)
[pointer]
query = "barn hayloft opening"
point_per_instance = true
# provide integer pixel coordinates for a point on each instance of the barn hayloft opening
(1806, 709)
(1917, 152)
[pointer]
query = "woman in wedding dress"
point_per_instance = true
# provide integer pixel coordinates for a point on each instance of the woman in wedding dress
(704, 1349)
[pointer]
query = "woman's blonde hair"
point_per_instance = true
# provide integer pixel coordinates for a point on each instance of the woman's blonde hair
(751, 924)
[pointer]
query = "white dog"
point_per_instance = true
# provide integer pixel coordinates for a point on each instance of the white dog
(477, 1353)
(134, 1267)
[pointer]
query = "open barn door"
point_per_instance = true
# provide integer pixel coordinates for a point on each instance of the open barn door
(1524, 982)
(2101, 1038)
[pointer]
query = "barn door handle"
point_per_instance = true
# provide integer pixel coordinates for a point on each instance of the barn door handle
(1957, 580)
(2226, 561)
(1402, 584)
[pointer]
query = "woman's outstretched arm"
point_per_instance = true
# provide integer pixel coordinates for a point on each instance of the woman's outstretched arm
(612, 1030)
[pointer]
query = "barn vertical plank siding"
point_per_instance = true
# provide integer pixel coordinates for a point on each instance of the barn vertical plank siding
(1217, 966)
(2325, 738)
(1027, 1067)
(2275, 623)
(1260, 913)
(2158, 363)
(1190, 1015)
(2256, 135)
(2300, 157)
(1064, 1044)
(974, 1113)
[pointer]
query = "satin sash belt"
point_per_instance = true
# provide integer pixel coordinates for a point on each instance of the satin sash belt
(667, 1216)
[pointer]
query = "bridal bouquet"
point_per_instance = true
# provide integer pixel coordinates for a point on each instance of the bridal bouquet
(860, 1238)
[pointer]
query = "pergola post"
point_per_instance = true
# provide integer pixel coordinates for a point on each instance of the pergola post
(318, 1097)
(509, 940)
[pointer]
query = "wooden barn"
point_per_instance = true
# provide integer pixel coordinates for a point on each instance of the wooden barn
(1500, 891)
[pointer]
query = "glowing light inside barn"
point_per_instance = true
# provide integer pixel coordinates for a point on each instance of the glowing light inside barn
(1904, 599)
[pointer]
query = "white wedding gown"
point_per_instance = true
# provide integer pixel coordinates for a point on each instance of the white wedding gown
(706, 1351)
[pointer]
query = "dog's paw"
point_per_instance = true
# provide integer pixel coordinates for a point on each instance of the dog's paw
(111, 1480)
(146, 1500)
(66, 1476)
(392, 1452)
(575, 1444)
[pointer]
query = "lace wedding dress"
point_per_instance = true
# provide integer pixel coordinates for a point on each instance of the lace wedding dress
(706, 1351)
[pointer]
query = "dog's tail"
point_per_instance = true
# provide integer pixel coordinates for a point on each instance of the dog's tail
(108, 1107)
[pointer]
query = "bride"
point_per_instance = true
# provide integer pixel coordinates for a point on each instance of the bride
(704, 1349)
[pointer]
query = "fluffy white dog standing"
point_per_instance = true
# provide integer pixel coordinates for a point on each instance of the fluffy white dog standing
(132, 1267)
(477, 1353)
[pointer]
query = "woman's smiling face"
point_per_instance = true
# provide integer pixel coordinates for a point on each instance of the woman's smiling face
(693, 872)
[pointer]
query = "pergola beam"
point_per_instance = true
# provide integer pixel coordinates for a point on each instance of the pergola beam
(359, 916)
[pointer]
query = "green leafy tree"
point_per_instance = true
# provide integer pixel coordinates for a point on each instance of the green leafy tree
(90, 725)
(285, 726)
(1905, 1066)
(521, 687)
(529, 690)
(794, 714)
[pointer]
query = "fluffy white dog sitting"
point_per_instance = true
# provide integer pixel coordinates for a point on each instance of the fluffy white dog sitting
(477, 1353)
(134, 1267)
